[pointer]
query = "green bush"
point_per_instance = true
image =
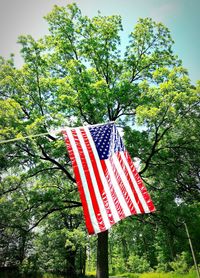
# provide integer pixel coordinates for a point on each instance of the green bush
(137, 264)
(180, 264)
(162, 267)
(118, 265)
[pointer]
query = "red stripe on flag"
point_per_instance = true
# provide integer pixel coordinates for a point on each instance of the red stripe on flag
(130, 182)
(79, 184)
(89, 183)
(98, 178)
(140, 183)
(112, 191)
(122, 187)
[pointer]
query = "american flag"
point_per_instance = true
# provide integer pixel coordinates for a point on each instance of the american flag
(109, 185)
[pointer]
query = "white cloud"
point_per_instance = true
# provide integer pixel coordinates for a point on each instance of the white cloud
(165, 11)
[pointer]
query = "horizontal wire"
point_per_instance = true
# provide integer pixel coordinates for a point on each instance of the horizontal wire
(23, 137)
(42, 134)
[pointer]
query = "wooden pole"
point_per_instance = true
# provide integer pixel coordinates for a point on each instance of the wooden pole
(102, 255)
(192, 250)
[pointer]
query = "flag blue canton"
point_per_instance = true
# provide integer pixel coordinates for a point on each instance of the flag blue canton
(107, 140)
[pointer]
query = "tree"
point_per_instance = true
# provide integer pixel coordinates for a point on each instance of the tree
(77, 75)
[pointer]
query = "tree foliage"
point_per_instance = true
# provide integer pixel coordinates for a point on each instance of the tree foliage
(76, 75)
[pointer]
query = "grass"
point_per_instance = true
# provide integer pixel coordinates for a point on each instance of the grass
(130, 275)
(191, 274)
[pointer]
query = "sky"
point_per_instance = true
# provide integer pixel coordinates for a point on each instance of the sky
(19, 17)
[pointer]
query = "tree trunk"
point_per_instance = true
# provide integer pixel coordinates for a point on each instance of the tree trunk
(102, 255)
(71, 268)
(82, 261)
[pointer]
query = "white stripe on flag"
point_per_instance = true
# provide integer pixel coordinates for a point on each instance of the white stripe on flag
(125, 182)
(137, 189)
(94, 181)
(84, 181)
(102, 176)
(115, 184)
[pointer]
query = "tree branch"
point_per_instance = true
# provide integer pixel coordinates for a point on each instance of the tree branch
(48, 213)
(62, 168)
(153, 149)
(43, 170)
